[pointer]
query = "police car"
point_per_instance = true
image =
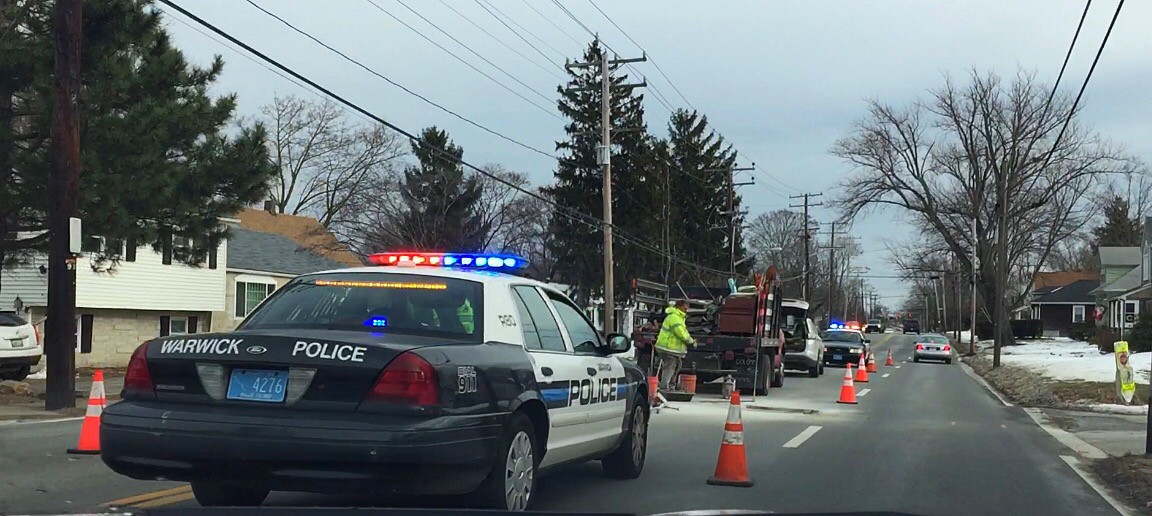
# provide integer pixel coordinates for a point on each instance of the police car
(427, 374)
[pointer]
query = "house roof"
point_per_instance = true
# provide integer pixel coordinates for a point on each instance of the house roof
(268, 252)
(1055, 279)
(1076, 292)
(1116, 256)
(305, 231)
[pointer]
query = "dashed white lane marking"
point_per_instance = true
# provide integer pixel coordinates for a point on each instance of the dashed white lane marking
(1003, 426)
(953, 423)
(802, 436)
(863, 392)
(885, 375)
(897, 367)
(1074, 463)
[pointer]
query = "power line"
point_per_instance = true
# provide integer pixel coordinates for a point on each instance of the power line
(488, 5)
(458, 58)
(389, 81)
(506, 45)
(654, 64)
(1084, 85)
(514, 31)
(552, 23)
(1067, 56)
(562, 210)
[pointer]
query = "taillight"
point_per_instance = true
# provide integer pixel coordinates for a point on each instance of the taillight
(408, 380)
(36, 333)
(919, 347)
(947, 347)
(138, 378)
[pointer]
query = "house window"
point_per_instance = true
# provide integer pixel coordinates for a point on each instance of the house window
(251, 294)
(1077, 313)
(1130, 307)
(178, 326)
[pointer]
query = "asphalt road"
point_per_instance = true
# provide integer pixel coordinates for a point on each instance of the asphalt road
(924, 439)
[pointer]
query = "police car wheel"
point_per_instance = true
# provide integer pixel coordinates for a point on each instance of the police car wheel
(227, 494)
(512, 482)
(627, 460)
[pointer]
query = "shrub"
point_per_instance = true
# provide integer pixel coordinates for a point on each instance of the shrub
(1082, 330)
(1021, 329)
(1140, 336)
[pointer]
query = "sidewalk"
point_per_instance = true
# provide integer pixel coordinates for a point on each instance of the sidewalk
(1114, 434)
(31, 408)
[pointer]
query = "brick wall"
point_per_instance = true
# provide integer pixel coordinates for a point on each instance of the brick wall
(117, 333)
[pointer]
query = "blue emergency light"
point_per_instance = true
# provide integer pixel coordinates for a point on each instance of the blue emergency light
(461, 260)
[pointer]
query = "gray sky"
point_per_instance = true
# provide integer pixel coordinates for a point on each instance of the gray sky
(780, 80)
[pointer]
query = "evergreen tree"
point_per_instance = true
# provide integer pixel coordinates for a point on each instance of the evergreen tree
(699, 194)
(1118, 229)
(155, 160)
(440, 202)
(636, 184)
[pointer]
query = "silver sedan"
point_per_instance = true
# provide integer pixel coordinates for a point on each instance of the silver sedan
(932, 347)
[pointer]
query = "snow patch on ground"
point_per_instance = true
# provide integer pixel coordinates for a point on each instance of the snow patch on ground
(39, 375)
(1109, 408)
(1067, 359)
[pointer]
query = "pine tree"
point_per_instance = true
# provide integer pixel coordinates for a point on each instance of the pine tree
(699, 194)
(1118, 229)
(578, 243)
(155, 158)
(440, 201)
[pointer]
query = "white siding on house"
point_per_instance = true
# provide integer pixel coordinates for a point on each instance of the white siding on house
(144, 284)
(26, 283)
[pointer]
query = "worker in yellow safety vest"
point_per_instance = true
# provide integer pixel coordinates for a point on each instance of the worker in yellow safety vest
(673, 341)
(467, 317)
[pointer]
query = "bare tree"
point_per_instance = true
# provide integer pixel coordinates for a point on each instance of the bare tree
(777, 238)
(938, 161)
(325, 161)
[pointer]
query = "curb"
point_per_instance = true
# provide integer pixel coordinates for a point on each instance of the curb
(980, 379)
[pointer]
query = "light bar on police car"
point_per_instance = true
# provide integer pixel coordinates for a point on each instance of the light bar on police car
(462, 260)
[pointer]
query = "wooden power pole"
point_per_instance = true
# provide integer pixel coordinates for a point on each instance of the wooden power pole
(63, 188)
(604, 159)
(807, 239)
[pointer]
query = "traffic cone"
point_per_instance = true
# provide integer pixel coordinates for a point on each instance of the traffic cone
(889, 361)
(847, 390)
(871, 363)
(861, 371)
(653, 389)
(90, 431)
(732, 464)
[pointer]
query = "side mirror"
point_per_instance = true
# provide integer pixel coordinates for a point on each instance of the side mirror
(866, 341)
(618, 343)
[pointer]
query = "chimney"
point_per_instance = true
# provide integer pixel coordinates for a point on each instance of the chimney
(270, 206)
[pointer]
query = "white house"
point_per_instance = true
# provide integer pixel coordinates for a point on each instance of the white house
(146, 295)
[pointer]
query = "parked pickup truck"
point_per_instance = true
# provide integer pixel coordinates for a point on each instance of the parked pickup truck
(739, 335)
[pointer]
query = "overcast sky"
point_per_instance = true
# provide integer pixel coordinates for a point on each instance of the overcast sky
(780, 80)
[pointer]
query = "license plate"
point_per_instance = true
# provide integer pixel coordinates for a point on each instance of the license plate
(16, 343)
(258, 385)
(837, 357)
(933, 349)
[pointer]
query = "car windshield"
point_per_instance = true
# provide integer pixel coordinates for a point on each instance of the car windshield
(873, 321)
(841, 336)
(391, 303)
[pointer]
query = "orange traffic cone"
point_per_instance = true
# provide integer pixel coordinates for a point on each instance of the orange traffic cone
(871, 363)
(847, 390)
(862, 371)
(90, 432)
(732, 465)
(889, 361)
(653, 388)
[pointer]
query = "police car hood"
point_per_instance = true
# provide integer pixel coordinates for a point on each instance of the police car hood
(343, 364)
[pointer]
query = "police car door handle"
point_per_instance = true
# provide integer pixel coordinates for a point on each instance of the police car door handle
(546, 371)
(591, 371)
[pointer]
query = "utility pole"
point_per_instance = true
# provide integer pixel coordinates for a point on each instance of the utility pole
(63, 189)
(972, 281)
(807, 238)
(733, 222)
(831, 247)
(604, 159)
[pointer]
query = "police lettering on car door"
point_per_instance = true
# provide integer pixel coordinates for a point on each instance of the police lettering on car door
(590, 390)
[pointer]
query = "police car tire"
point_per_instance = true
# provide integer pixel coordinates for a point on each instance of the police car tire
(210, 493)
(814, 371)
(492, 492)
(622, 462)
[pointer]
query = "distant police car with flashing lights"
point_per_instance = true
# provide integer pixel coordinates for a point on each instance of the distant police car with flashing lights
(435, 374)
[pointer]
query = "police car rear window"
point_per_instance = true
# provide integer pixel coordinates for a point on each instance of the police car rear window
(386, 303)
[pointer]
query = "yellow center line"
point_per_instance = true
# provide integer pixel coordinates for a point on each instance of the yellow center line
(149, 496)
(168, 500)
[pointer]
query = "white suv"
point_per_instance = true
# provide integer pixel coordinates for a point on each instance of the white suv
(20, 348)
(803, 348)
